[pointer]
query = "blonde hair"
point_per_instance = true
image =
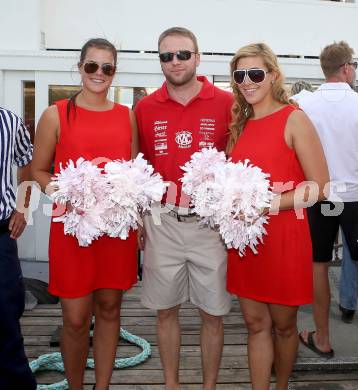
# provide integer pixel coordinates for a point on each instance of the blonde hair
(241, 110)
(334, 56)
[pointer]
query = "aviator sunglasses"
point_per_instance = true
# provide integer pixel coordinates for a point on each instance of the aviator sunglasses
(256, 75)
(92, 67)
(182, 55)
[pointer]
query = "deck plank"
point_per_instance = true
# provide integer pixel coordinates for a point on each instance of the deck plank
(39, 324)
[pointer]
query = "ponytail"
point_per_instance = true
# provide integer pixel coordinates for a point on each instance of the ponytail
(72, 102)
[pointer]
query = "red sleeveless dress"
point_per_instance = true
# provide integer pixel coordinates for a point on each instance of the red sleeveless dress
(281, 272)
(108, 262)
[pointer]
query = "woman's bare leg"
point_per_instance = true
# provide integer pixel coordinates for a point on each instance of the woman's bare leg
(77, 316)
(260, 344)
(107, 306)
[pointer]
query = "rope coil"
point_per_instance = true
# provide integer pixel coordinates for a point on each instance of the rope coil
(53, 361)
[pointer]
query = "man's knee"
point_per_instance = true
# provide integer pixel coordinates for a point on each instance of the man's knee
(215, 323)
(170, 314)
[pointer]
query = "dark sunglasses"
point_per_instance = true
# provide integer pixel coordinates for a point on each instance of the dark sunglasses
(354, 64)
(182, 55)
(92, 67)
(256, 75)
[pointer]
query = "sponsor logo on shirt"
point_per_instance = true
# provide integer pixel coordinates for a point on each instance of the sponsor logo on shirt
(207, 133)
(160, 137)
(207, 124)
(161, 146)
(184, 139)
(203, 144)
(160, 125)
(160, 134)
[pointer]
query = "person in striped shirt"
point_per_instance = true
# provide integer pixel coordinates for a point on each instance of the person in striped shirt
(15, 149)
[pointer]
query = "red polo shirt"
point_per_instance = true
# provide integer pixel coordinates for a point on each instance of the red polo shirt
(170, 132)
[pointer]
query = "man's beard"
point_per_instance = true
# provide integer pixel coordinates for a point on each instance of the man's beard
(186, 78)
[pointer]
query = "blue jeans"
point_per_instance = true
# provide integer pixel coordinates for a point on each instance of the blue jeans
(348, 287)
(15, 372)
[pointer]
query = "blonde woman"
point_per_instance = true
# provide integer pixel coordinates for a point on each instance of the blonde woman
(280, 139)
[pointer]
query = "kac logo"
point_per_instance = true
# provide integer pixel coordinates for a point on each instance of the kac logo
(184, 139)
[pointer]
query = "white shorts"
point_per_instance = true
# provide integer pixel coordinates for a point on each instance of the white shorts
(183, 262)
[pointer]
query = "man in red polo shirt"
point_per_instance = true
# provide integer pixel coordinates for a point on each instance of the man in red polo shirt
(182, 261)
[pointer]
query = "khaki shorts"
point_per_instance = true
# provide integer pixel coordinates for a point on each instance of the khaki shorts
(183, 262)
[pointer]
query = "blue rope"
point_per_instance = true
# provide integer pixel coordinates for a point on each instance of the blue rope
(53, 361)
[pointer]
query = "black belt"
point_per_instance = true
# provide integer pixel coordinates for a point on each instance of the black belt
(4, 226)
(183, 218)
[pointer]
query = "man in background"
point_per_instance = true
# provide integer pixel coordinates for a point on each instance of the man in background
(300, 90)
(333, 109)
(15, 148)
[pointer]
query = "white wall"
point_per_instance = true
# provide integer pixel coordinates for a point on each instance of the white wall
(297, 27)
(20, 22)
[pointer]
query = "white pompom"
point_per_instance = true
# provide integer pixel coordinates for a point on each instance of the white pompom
(134, 187)
(110, 203)
(228, 197)
(84, 187)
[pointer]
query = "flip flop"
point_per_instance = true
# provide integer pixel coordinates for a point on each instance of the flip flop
(312, 346)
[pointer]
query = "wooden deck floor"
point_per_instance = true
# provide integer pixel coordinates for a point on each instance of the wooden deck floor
(39, 324)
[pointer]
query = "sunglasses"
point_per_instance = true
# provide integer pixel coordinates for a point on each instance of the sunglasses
(92, 67)
(182, 55)
(256, 75)
(354, 64)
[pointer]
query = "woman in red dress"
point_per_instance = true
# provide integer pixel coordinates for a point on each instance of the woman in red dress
(88, 280)
(280, 139)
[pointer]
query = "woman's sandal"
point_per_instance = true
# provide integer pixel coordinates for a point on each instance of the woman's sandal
(312, 346)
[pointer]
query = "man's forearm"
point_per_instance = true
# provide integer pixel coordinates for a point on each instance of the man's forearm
(23, 175)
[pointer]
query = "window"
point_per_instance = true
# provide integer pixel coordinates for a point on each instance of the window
(58, 92)
(342, 1)
(128, 96)
(28, 105)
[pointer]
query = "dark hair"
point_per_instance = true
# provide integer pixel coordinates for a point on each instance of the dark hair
(181, 31)
(98, 43)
